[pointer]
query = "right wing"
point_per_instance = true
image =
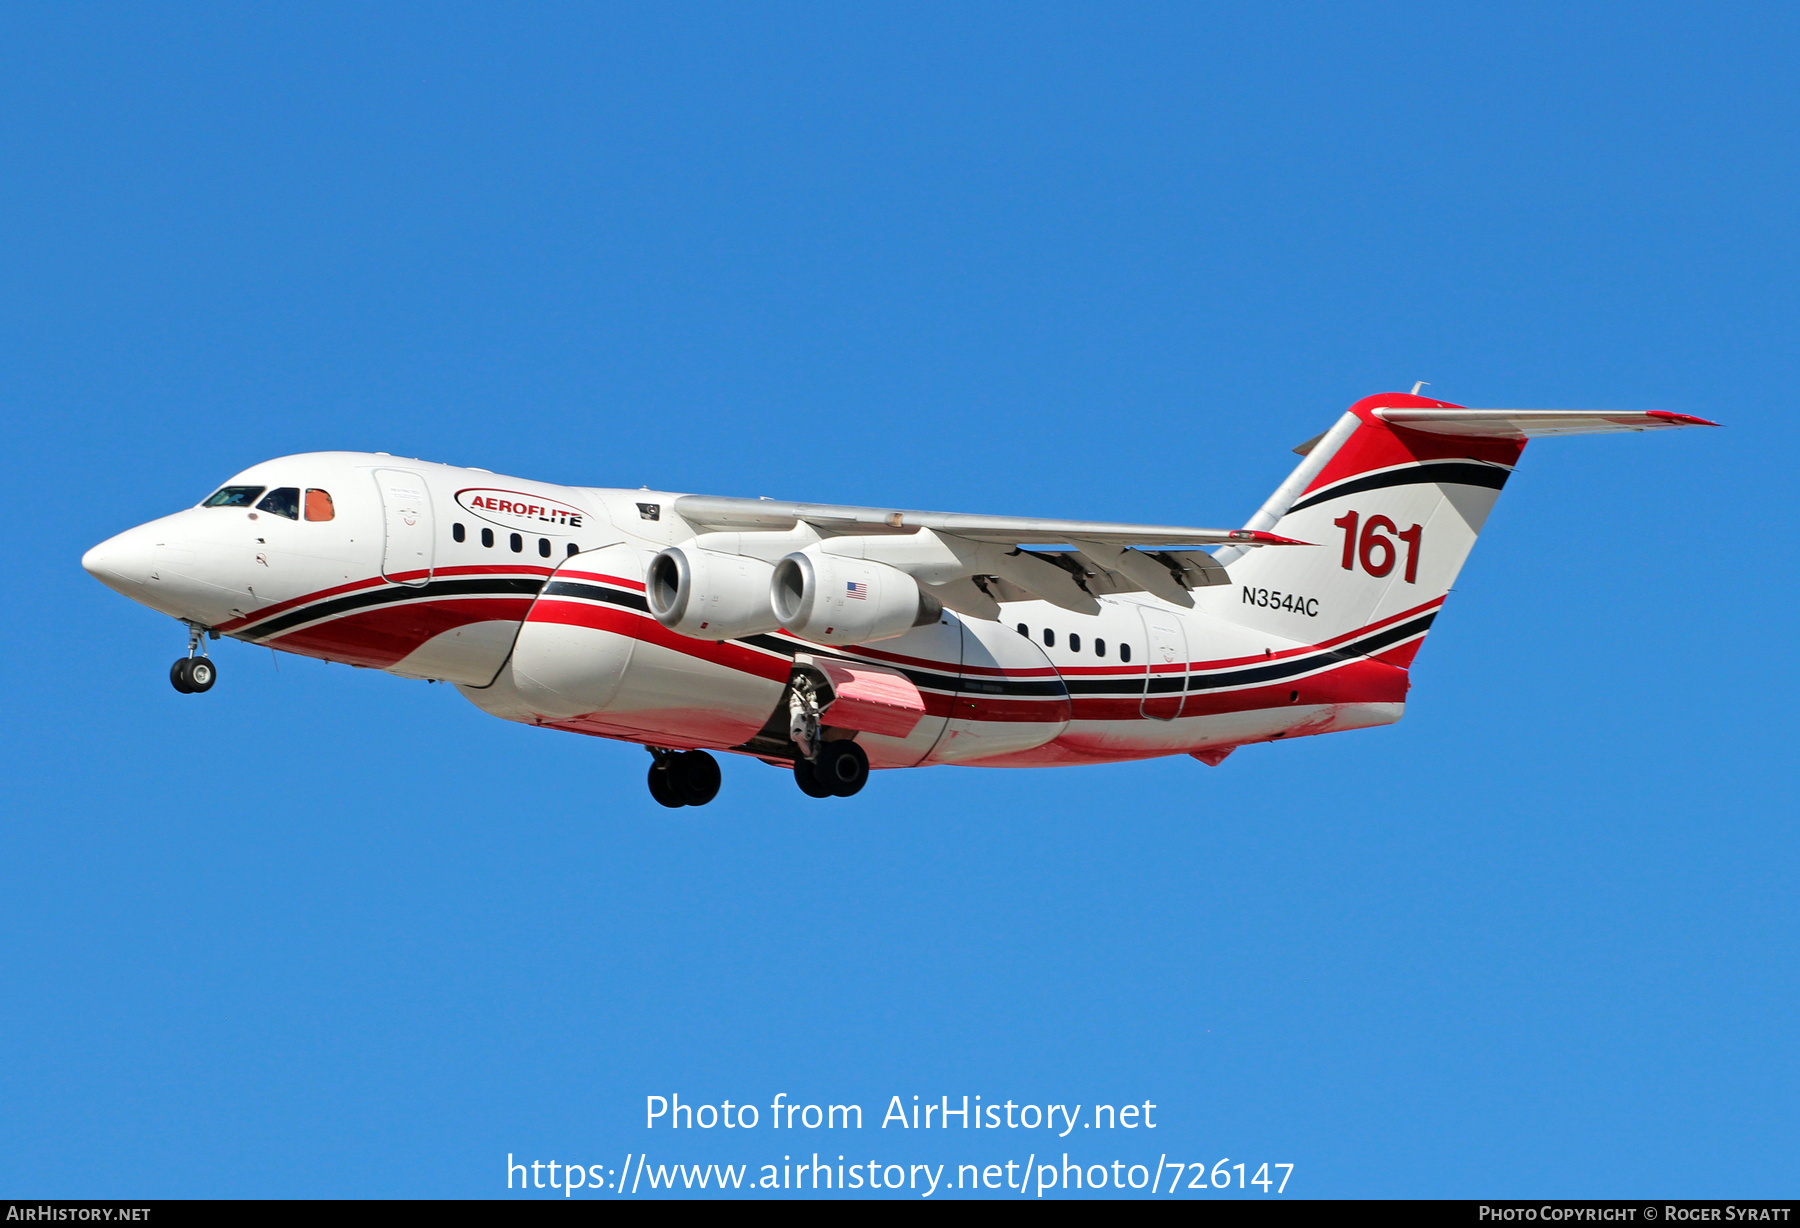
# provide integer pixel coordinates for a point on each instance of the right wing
(711, 512)
(972, 563)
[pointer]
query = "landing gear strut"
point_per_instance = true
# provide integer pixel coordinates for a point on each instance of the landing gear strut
(195, 673)
(683, 778)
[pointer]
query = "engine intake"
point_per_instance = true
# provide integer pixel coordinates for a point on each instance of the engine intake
(828, 599)
(709, 595)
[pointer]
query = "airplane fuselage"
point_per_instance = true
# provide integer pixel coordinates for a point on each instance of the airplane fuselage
(530, 598)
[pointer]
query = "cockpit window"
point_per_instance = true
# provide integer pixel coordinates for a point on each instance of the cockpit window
(319, 505)
(234, 496)
(283, 501)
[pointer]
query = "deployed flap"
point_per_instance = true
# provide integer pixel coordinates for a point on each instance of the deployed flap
(1197, 568)
(868, 698)
(1533, 423)
(969, 595)
(713, 512)
(1169, 574)
(1055, 578)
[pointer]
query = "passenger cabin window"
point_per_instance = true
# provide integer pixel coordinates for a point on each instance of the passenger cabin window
(234, 496)
(1024, 631)
(282, 501)
(487, 538)
(1099, 647)
(1124, 652)
(574, 550)
(319, 505)
(1074, 642)
(518, 544)
(457, 533)
(1049, 638)
(543, 547)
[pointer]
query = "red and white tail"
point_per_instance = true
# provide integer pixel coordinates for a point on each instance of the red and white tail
(1393, 497)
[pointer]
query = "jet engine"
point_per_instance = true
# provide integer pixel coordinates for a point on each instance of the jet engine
(708, 594)
(829, 599)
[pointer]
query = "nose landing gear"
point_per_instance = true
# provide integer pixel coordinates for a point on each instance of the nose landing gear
(683, 778)
(195, 673)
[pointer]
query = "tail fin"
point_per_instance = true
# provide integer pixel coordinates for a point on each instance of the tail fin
(1393, 496)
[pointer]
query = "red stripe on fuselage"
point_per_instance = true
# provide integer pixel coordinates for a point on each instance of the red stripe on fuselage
(601, 617)
(339, 590)
(617, 581)
(384, 636)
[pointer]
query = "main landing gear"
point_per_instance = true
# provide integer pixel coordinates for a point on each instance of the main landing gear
(822, 769)
(683, 778)
(841, 769)
(195, 673)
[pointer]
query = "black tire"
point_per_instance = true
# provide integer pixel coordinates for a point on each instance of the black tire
(694, 777)
(201, 674)
(178, 677)
(843, 768)
(808, 780)
(662, 788)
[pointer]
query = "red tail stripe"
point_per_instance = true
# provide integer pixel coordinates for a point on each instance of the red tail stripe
(1379, 445)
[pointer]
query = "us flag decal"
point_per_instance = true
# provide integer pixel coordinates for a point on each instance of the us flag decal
(856, 589)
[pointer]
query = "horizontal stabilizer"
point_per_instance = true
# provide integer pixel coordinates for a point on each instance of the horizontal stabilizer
(1533, 423)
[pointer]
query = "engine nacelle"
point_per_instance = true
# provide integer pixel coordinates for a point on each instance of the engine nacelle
(829, 599)
(709, 595)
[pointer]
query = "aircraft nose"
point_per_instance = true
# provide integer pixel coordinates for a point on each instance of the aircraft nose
(122, 562)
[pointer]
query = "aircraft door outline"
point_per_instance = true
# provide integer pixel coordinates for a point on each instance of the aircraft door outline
(1165, 665)
(409, 530)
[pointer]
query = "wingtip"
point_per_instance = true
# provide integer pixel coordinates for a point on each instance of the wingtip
(1664, 415)
(1259, 538)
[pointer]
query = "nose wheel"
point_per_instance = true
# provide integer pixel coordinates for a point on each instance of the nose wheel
(683, 778)
(195, 673)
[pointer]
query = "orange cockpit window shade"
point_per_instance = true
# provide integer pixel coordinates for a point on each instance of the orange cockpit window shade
(318, 505)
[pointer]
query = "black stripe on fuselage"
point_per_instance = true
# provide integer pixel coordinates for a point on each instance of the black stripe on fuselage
(475, 586)
(1277, 670)
(1058, 688)
(949, 684)
(1457, 473)
(1252, 675)
(598, 592)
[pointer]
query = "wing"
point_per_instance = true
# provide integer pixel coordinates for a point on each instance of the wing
(742, 515)
(972, 563)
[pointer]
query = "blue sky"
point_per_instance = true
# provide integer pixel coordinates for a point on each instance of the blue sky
(324, 932)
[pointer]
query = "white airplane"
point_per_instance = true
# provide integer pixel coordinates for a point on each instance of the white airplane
(832, 640)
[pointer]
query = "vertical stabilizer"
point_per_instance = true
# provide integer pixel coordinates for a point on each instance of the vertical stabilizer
(1393, 497)
(1392, 511)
